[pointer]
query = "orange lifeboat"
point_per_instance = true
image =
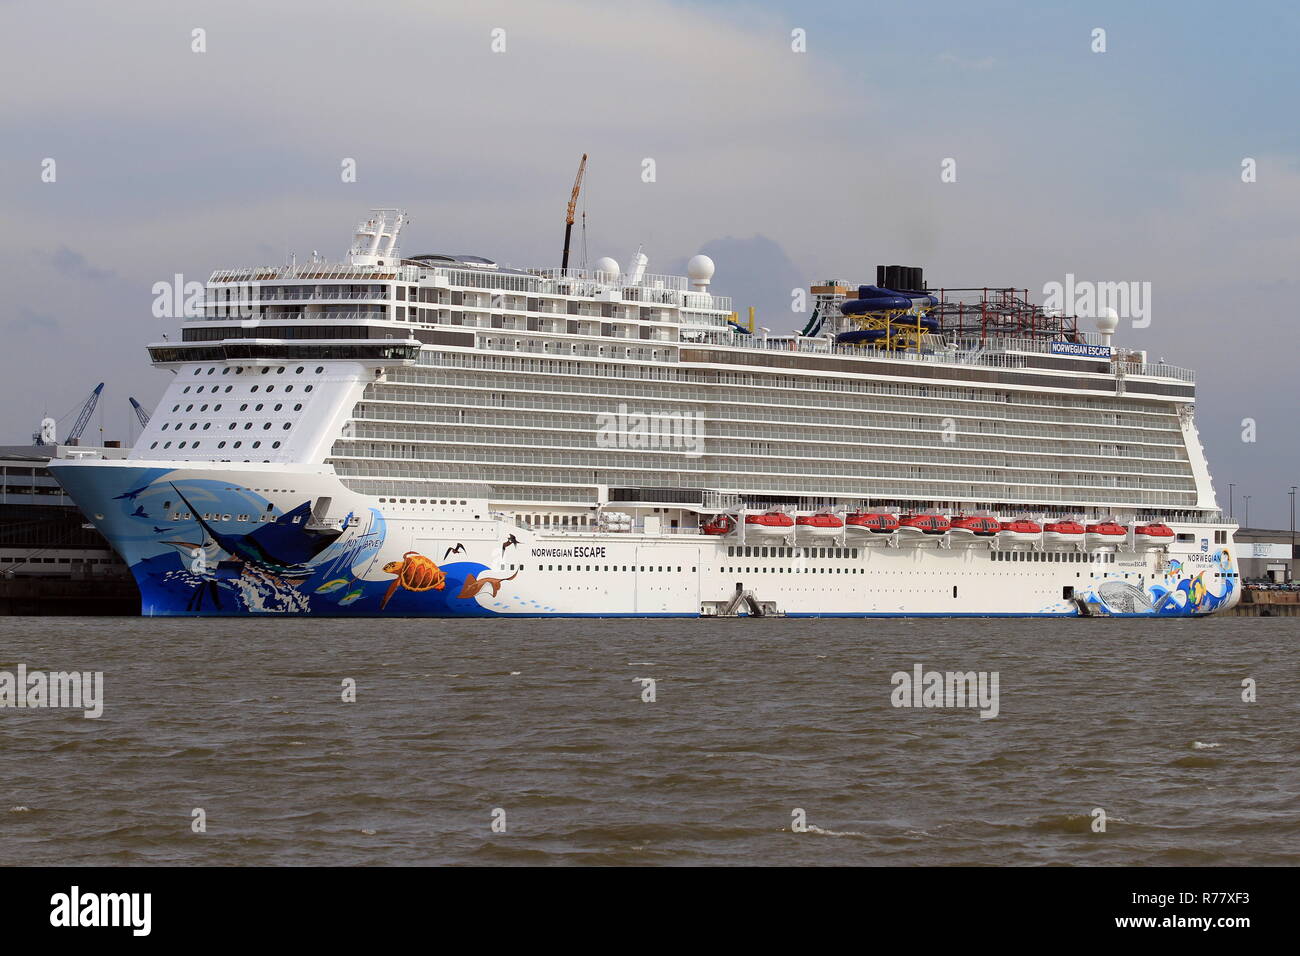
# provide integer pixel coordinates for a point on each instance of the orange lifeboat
(821, 525)
(1063, 532)
(924, 524)
(876, 523)
(1153, 535)
(981, 525)
(1021, 529)
(772, 524)
(1104, 534)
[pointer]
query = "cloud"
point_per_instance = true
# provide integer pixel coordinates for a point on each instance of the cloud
(71, 263)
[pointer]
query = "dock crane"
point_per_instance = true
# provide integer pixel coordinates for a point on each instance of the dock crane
(573, 204)
(140, 413)
(46, 435)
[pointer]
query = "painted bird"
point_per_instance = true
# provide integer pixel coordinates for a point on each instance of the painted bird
(509, 541)
(459, 549)
(132, 495)
(139, 512)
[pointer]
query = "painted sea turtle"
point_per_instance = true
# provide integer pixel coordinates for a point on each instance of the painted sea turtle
(414, 572)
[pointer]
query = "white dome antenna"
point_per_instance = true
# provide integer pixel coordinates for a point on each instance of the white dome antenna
(1107, 323)
(607, 269)
(700, 271)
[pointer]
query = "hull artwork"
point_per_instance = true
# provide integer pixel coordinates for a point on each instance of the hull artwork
(207, 540)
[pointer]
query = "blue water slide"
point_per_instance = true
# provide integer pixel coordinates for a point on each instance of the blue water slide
(737, 327)
(858, 336)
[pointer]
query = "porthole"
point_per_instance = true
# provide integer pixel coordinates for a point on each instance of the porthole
(168, 445)
(216, 408)
(255, 388)
(176, 408)
(203, 408)
(195, 445)
(266, 369)
(257, 444)
(307, 388)
(189, 408)
(257, 407)
(237, 444)
(226, 370)
(211, 370)
(229, 387)
(196, 371)
(247, 425)
(288, 388)
(193, 425)
(286, 426)
(297, 408)
(319, 369)
(275, 444)
(232, 426)
(266, 426)
(164, 427)
(278, 407)
(280, 370)
(298, 370)
(154, 445)
(221, 444)
(207, 425)
(244, 407)
(185, 389)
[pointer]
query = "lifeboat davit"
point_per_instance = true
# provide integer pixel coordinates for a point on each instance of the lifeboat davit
(773, 524)
(924, 524)
(874, 522)
(1105, 534)
(722, 524)
(981, 525)
(1063, 532)
(820, 525)
(1021, 529)
(1154, 535)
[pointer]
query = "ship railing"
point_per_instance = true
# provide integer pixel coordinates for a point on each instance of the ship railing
(315, 270)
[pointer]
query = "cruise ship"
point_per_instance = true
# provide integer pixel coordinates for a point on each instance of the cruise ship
(442, 435)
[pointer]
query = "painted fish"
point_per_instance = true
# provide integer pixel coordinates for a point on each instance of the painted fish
(334, 585)
(353, 595)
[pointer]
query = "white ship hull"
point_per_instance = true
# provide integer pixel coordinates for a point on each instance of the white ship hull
(223, 539)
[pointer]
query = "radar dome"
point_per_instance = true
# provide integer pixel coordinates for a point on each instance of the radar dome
(700, 270)
(1108, 321)
(607, 268)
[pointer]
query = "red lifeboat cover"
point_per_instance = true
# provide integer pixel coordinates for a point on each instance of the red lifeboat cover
(880, 523)
(1106, 527)
(719, 525)
(930, 524)
(773, 519)
(819, 521)
(1065, 527)
(1155, 530)
(1024, 526)
(980, 524)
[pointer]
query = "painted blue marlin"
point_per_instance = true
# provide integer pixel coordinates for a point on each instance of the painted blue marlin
(292, 546)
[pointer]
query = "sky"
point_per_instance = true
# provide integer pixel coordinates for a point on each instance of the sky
(793, 142)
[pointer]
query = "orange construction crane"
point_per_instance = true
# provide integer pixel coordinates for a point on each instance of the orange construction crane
(573, 204)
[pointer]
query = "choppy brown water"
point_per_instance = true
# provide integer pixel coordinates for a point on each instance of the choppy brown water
(753, 718)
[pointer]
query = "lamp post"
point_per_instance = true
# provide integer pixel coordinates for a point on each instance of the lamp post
(1231, 485)
(1290, 565)
(1245, 521)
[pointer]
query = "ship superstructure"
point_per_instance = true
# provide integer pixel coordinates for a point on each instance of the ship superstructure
(442, 434)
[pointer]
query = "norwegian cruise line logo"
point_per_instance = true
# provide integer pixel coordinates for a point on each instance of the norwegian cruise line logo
(670, 431)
